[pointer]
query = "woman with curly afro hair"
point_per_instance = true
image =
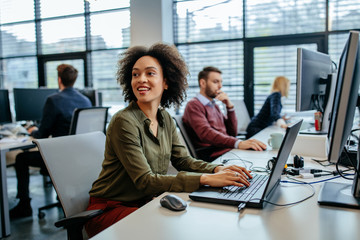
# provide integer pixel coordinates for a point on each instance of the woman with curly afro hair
(141, 140)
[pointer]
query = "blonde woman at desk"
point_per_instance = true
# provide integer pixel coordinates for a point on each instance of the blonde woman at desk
(270, 111)
(142, 139)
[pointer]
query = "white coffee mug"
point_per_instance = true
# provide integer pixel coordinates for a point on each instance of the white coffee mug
(275, 140)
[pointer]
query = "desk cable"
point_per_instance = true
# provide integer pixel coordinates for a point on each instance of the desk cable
(337, 171)
(351, 162)
(223, 161)
(354, 135)
(294, 181)
(322, 161)
(251, 168)
(242, 205)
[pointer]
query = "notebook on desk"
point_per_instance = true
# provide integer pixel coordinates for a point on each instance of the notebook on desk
(264, 185)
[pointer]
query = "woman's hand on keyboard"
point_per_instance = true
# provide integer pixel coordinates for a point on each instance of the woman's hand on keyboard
(226, 176)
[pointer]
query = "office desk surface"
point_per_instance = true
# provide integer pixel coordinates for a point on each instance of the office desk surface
(307, 220)
(6, 146)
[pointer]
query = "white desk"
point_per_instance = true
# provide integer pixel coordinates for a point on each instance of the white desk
(306, 220)
(4, 202)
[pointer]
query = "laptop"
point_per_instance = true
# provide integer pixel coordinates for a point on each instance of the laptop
(266, 184)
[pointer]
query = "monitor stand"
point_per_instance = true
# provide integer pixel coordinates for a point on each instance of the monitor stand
(338, 195)
(342, 194)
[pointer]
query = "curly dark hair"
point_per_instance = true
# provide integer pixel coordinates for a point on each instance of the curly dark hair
(174, 69)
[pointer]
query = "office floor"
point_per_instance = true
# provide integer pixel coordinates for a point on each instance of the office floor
(32, 227)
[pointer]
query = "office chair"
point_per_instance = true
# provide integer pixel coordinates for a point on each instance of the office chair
(243, 117)
(199, 152)
(74, 163)
(184, 134)
(88, 120)
(83, 120)
(47, 183)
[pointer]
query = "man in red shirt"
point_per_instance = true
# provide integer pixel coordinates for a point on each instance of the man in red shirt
(207, 125)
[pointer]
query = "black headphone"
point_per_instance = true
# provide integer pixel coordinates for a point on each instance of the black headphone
(298, 161)
(270, 164)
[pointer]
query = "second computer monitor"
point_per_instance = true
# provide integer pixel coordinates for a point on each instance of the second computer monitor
(313, 69)
(94, 95)
(29, 102)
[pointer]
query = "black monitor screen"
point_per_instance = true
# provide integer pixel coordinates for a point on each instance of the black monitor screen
(5, 113)
(93, 95)
(344, 104)
(345, 98)
(29, 102)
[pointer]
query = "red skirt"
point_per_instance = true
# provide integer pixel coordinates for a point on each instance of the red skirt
(113, 212)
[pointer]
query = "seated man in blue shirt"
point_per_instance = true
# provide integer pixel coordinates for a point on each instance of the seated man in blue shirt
(56, 119)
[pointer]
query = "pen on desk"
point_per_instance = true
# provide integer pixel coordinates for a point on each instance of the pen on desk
(241, 206)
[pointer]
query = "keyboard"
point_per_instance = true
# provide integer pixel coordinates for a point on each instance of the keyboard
(13, 130)
(6, 132)
(244, 194)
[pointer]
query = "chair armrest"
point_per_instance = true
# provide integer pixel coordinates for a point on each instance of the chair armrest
(78, 219)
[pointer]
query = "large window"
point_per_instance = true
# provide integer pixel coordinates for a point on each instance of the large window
(261, 38)
(205, 20)
(227, 56)
(280, 17)
(244, 38)
(41, 34)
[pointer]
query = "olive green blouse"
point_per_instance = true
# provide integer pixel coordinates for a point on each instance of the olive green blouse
(136, 162)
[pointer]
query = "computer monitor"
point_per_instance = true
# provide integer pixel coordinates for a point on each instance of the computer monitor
(341, 122)
(316, 81)
(29, 102)
(94, 96)
(5, 113)
(313, 70)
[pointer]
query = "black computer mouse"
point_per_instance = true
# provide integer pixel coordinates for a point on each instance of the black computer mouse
(173, 202)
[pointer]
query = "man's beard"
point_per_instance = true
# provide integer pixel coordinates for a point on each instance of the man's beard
(210, 93)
